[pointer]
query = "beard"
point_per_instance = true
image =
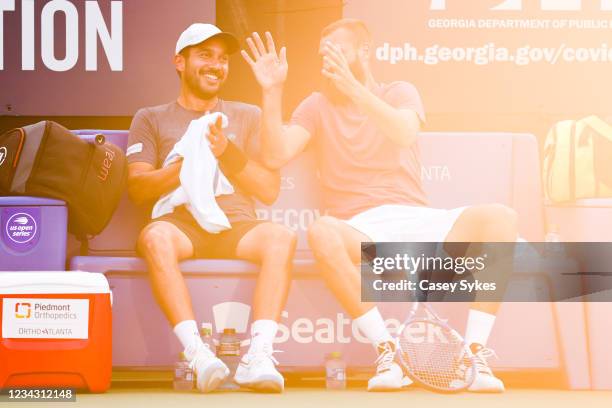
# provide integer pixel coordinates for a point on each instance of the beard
(333, 94)
(193, 82)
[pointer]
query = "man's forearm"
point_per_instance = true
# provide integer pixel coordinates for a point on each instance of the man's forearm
(272, 143)
(150, 185)
(401, 126)
(258, 181)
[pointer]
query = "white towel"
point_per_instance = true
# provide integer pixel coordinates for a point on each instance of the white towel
(201, 178)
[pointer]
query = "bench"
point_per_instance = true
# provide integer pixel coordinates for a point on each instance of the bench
(457, 169)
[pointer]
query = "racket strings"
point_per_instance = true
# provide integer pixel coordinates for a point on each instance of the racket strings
(438, 358)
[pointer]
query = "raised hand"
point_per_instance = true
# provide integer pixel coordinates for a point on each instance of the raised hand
(270, 68)
(336, 68)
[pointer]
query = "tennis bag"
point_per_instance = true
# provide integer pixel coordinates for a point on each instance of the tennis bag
(578, 160)
(47, 160)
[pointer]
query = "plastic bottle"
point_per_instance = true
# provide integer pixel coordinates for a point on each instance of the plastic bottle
(335, 371)
(553, 234)
(206, 335)
(183, 375)
(229, 352)
(554, 246)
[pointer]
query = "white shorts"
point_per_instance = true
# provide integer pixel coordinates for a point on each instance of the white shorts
(405, 223)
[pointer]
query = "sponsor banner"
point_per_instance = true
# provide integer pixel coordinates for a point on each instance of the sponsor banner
(486, 272)
(20, 227)
(495, 56)
(36, 318)
(91, 58)
(339, 329)
(293, 218)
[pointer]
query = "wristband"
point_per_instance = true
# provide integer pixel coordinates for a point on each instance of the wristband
(233, 159)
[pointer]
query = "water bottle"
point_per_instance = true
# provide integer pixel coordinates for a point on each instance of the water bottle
(335, 371)
(229, 352)
(554, 246)
(183, 375)
(206, 335)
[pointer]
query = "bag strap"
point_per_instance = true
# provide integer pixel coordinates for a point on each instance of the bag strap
(84, 249)
(599, 125)
(602, 128)
(549, 157)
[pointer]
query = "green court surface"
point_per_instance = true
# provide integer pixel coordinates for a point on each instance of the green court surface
(351, 398)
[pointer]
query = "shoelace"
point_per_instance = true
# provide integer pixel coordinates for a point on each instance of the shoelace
(385, 359)
(481, 360)
(205, 349)
(257, 357)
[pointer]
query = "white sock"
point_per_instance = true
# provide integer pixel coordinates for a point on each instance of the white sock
(479, 326)
(263, 332)
(187, 333)
(373, 326)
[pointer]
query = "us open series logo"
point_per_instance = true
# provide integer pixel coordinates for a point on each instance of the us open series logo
(21, 228)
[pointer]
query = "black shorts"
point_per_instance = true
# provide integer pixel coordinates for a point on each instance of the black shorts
(206, 245)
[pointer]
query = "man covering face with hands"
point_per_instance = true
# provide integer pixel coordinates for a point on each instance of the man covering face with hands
(364, 135)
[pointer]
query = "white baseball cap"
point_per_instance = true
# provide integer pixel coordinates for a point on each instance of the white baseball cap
(199, 32)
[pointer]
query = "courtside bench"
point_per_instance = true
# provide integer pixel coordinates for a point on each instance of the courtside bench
(458, 169)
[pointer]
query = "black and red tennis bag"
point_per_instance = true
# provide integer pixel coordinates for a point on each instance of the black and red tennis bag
(47, 160)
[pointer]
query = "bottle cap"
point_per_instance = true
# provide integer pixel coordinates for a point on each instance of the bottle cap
(182, 356)
(206, 328)
(229, 330)
(335, 354)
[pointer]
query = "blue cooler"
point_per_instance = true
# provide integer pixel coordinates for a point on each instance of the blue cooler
(32, 234)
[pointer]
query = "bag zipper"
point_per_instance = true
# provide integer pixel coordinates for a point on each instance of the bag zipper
(16, 159)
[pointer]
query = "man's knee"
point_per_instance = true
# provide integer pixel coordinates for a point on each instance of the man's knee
(156, 240)
(279, 240)
(324, 238)
(496, 217)
(495, 214)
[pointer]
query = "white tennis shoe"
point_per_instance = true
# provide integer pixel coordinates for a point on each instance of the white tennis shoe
(257, 371)
(208, 369)
(485, 380)
(389, 375)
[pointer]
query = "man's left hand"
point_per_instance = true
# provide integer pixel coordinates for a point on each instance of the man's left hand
(216, 138)
(336, 68)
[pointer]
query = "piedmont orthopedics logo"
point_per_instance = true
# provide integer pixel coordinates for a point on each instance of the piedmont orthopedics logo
(96, 31)
(517, 5)
(37, 318)
(23, 310)
(21, 228)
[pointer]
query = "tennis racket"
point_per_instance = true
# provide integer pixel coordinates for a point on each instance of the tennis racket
(433, 353)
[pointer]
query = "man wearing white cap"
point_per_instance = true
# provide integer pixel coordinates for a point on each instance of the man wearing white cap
(201, 61)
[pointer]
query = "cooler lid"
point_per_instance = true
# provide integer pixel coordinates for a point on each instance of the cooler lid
(27, 201)
(15, 283)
